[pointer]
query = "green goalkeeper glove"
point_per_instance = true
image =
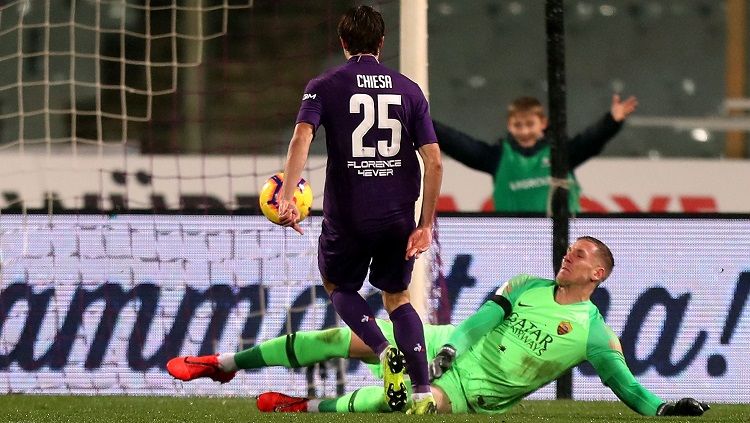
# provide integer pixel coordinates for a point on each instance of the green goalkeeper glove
(683, 407)
(442, 361)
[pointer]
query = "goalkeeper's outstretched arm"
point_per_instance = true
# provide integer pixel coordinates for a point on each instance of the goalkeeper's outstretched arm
(605, 354)
(642, 401)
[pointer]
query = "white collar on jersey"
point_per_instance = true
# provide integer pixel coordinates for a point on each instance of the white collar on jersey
(359, 56)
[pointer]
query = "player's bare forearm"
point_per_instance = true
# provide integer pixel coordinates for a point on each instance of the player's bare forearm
(296, 158)
(433, 178)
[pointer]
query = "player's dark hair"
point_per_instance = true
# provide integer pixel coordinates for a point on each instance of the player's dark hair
(604, 253)
(362, 28)
(526, 105)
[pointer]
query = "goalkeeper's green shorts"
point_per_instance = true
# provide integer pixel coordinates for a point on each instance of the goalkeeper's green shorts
(451, 385)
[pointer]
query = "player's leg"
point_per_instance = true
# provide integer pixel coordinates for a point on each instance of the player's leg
(299, 349)
(391, 273)
(368, 399)
(357, 314)
(407, 327)
(435, 337)
(343, 260)
(188, 368)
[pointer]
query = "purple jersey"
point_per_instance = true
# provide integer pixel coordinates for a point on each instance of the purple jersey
(375, 119)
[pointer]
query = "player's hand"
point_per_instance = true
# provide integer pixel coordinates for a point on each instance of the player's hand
(419, 242)
(442, 361)
(683, 407)
(289, 215)
(622, 109)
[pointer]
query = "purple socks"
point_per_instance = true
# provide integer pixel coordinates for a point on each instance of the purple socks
(407, 329)
(355, 312)
(409, 334)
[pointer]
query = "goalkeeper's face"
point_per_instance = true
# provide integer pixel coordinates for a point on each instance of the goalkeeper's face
(581, 265)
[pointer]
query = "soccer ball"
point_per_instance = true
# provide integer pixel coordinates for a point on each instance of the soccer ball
(269, 201)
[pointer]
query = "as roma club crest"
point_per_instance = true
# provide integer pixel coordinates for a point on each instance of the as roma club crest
(564, 327)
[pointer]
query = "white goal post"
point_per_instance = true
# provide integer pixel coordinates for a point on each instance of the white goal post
(413, 63)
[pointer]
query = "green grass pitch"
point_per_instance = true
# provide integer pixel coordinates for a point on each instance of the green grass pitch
(75, 409)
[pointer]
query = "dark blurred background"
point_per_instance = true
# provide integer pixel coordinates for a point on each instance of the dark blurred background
(678, 57)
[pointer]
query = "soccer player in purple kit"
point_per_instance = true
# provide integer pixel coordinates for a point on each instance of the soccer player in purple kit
(376, 121)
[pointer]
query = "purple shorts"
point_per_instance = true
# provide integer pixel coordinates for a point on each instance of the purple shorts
(344, 256)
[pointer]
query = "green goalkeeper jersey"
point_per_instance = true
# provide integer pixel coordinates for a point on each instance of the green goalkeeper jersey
(536, 343)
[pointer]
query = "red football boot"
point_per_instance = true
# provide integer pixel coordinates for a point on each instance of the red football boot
(276, 402)
(188, 368)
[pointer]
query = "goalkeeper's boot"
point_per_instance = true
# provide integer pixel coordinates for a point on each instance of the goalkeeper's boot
(276, 402)
(393, 365)
(426, 405)
(188, 368)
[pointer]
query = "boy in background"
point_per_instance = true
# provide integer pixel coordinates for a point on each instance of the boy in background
(520, 162)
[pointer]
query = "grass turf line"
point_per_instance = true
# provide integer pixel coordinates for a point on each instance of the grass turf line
(85, 409)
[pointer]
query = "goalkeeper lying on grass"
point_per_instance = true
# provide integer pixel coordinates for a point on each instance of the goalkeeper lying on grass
(530, 333)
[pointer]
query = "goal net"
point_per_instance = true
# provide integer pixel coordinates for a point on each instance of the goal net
(135, 135)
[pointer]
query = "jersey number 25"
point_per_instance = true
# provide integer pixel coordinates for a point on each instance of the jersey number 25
(365, 104)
